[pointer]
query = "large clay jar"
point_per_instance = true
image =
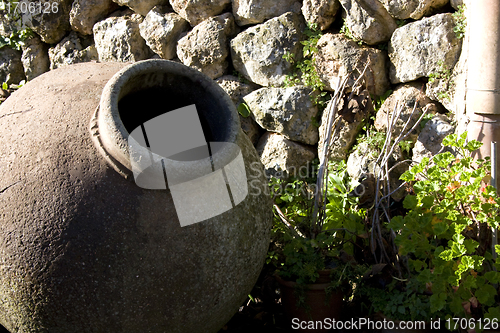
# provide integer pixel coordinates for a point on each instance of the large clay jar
(82, 247)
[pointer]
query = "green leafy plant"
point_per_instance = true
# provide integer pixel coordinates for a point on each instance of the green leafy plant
(244, 110)
(9, 89)
(289, 56)
(19, 32)
(451, 214)
(317, 222)
(375, 140)
(348, 278)
(379, 100)
(425, 120)
(406, 146)
(304, 253)
(305, 70)
(460, 22)
(345, 222)
(313, 34)
(13, 86)
(443, 95)
(272, 257)
(345, 30)
(401, 23)
(443, 74)
(397, 299)
(369, 135)
(16, 39)
(316, 121)
(302, 260)
(293, 208)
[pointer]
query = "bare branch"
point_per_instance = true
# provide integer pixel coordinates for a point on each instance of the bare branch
(332, 111)
(283, 219)
(361, 76)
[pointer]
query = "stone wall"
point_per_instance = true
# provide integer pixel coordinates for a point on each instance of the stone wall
(410, 45)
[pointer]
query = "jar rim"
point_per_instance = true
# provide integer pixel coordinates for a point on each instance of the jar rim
(111, 133)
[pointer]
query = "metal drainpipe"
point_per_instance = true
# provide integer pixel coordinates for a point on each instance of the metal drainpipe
(483, 76)
(483, 82)
(494, 182)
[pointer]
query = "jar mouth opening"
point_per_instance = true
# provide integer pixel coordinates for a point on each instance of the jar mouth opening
(148, 90)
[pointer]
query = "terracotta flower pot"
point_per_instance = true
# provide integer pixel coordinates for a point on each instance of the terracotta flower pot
(318, 307)
(83, 248)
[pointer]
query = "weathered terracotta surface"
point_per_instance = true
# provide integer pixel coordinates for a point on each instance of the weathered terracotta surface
(82, 249)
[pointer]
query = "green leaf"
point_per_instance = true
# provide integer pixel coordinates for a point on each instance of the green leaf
(428, 201)
(452, 215)
(455, 304)
(425, 276)
(466, 263)
(454, 280)
(485, 294)
(410, 202)
(446, 255)
(473, 145)
(5, 86)
(420, 186)
(478, 262)
(438, 301)
(486, 207)
(471, 245)
(443, 160)
(450, 140)
(350, 224)
(244, 110)
(482, 217)
(440, 228)
(397, 223)
(418, 265)
(490, 191)
(470, 282)
(459, 238)
(493, 277)
(463, 138)
(407, 176)
(493, 313)
(457, 250)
